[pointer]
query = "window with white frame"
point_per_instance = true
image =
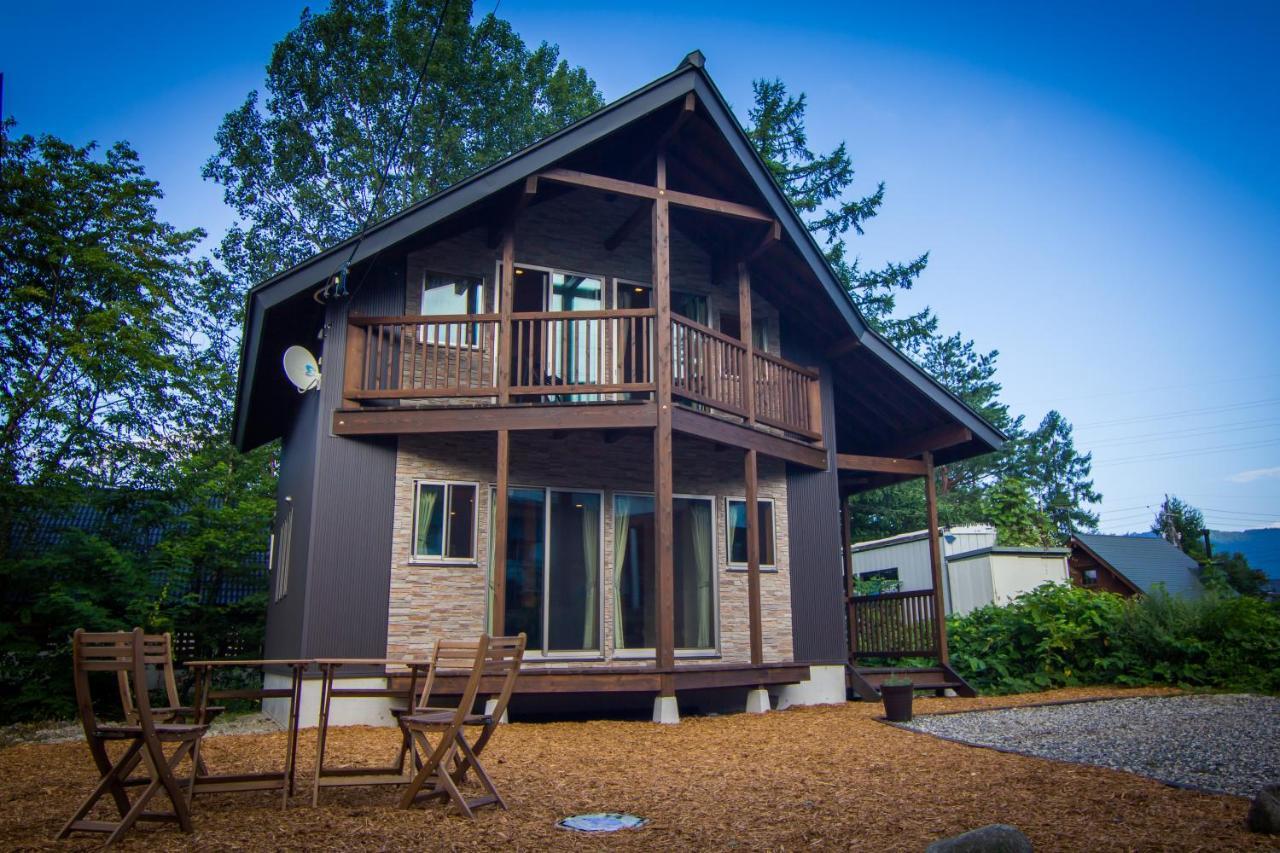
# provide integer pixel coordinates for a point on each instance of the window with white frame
(281, 539)
(736, 524)
(444, 521)
(448, 295)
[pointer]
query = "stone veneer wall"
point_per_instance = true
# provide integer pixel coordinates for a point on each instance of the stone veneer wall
(429, 601)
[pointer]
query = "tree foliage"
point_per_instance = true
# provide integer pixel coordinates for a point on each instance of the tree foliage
(1062, 636)
(1009, 506)
(301, 167)
(1184, 525)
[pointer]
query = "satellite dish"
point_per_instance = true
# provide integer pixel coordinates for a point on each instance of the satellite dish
(301, 368)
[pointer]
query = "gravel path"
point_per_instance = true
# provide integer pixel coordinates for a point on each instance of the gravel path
(1223, 743)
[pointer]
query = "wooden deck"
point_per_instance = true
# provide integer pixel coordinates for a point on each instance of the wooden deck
(539, 678)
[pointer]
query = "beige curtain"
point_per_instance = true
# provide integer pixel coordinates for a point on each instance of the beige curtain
(621, 527)
(700, 518)
(591, 563)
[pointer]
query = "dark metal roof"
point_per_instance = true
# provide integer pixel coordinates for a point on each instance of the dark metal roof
(689, 76)
(1144, 561)
(1011, 550)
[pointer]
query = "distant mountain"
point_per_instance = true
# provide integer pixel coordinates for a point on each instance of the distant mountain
(1260, 547)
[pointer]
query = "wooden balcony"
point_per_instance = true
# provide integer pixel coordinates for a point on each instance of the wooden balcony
(572, 357)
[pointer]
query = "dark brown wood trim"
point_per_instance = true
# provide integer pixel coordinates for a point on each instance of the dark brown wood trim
(747, 438)
(845, 347)
(628, 679)
(935, 561)
(506, 295)
(639, 415)
(680, 199)
(745, 331)
(880, 464)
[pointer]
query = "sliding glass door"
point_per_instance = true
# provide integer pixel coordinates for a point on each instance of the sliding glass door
(635, 572)
(552, 571)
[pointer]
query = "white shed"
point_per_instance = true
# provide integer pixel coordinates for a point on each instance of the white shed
(976, 571)
(998, 575)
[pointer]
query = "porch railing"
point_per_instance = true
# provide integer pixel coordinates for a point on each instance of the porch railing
(893, 624)
(566, 356)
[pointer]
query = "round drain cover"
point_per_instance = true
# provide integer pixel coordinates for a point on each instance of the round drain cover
(601, 822)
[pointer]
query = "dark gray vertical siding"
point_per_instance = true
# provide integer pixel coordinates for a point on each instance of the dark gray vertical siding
(350, 567)
(813, 530)
(297, 470)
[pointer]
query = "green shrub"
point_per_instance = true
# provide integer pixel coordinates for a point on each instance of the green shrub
(1058, 636)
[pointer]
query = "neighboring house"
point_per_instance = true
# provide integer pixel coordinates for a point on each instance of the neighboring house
(976, 571)
(600, 365)
(1132, 565)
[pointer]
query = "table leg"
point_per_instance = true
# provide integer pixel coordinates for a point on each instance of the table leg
(326, 683)
(291, 755)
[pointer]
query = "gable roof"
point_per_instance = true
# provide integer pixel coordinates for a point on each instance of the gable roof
(689, 76)
(1144, 561)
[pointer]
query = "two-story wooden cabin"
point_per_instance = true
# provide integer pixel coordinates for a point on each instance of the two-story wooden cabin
(616, 367)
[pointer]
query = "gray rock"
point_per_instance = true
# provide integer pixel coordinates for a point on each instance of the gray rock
(996, 838)
(1264, 812)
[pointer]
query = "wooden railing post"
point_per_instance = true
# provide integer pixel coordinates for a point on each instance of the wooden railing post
(663, 475)
(353, 364)
(748, 340)
(935, 561)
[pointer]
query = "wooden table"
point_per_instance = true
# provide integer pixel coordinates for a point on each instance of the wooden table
(393, 774)
(235, 782)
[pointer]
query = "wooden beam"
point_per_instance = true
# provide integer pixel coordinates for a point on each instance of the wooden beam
(843, 348)
(432, 419)
(751, 476)
(935, 562)
(846, 554)
(716, 430)
(623, 231)
(507, 223)
(498, 571)
(772, 236)
(880, 464)
(932, 440)
(686, 113)
(663, 472)
(681, 199)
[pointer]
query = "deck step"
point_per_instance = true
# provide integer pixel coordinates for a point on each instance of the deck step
(866, 681)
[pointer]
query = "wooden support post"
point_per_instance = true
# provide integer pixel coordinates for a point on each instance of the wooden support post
(935, 561)
(846, 551)
(353, 367)
(505, 296)
(498, 571)
(753, 557)
(663, 474)
(748, 340)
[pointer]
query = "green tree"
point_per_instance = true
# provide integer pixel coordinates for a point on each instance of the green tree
(1008, 506)
(1059, 475)
(301, 168)
(97, 294)
(1182, 524)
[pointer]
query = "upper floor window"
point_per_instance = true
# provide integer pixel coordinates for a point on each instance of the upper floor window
(736, 522)
(1089, 577)
(444, 521)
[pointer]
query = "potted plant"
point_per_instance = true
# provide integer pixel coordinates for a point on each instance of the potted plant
(897, 692)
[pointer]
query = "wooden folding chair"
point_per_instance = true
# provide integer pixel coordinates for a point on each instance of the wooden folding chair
(128, 652)
(451, 658)
(160, 646)
(502, 662)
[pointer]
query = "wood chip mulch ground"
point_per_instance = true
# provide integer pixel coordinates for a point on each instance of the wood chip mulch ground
(832, 776)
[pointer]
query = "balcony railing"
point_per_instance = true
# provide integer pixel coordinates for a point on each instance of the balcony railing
(571, 356)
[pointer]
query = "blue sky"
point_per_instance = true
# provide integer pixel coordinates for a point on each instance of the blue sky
(1096, 183)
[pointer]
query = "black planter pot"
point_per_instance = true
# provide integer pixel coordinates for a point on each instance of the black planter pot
(897, 701)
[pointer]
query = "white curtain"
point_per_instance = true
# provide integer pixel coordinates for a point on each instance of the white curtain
(621, 527)
(591, 564)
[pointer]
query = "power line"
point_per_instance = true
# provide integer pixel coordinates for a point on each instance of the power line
(1190, 432)
(1129, 392)
(1178, 454)
(1249, 404)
